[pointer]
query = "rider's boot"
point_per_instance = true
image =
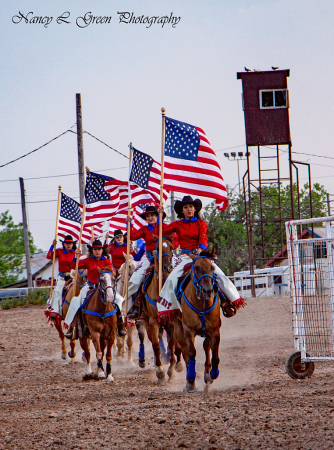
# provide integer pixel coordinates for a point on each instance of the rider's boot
(134, 312)
(71, 333)
(120, 324)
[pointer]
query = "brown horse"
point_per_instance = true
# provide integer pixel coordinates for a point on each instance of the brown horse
(150, 313)
(200, 316)
(100, 318)
(73, 291)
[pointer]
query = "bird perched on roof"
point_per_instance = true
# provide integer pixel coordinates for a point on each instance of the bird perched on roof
(247, 70)
(274, 68)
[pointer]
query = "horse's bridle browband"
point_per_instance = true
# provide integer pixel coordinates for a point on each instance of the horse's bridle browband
(164, 254)
(196, 280)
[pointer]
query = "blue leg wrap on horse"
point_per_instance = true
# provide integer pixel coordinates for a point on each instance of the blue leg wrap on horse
(191, 372)
(141, 353)
(99, 364)
(162, 345)
(214, 373)
(69, 355)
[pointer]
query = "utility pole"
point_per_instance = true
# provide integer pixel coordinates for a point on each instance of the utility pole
(81, 163)
(328, 207)
(172, 205)
(25, 233)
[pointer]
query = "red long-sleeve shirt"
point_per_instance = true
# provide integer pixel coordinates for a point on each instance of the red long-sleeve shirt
(92, 264)
(191, 235)
(64, 259)
(117, 254)
(147, 235)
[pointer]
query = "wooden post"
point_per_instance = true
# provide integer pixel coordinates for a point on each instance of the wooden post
(81, 164)
(172, 212)
(126, 281)
(54, 250)
(163, 113)
(25, 233)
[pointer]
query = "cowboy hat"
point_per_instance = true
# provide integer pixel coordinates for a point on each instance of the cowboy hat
(187, 200)
(151, 209)
(68, 240)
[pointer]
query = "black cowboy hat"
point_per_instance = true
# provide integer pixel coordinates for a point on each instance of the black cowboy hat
(187, 200)
(68, 240)
(97, 244)
(118, 233)
(151, 209)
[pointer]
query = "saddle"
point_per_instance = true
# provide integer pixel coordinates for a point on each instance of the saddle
(81, 324)
(228, 309)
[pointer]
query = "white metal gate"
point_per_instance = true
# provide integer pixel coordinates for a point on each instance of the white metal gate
(312, 290)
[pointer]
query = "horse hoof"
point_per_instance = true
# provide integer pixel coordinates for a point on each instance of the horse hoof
(110, 378)
(190, 387)
(170, 373)
(141, 364)
(101, 375)
(63, 356)
(207, 379)
(160, 373)
(179, 367)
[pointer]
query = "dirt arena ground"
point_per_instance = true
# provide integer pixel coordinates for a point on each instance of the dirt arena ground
(253, 404)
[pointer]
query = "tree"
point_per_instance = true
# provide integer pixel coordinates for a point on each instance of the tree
(11, 249)
(229, 233)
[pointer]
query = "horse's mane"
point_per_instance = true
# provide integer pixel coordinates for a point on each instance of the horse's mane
(208, 254)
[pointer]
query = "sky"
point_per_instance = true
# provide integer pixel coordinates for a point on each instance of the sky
(125, 73)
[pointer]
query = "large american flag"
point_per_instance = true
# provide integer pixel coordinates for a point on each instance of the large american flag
(146, 173)
(106, 196)
(191, 166)
(118, 222)
(70, 216)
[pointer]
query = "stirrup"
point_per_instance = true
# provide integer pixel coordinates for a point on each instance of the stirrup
(71, 333)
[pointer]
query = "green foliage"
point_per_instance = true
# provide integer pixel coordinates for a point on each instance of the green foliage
(11, 249)
(227, 231)
(34, 297)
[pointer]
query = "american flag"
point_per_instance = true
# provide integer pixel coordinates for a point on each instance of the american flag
(146, 173)
(70, 221)
(191, 166)
(106, 196)
(118, 222)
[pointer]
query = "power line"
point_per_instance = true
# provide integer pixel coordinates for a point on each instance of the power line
(106, 145)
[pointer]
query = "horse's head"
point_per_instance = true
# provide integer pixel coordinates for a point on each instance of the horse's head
(202, 273)
(167, 253)
(132, 266)
(81, 277)
(107, 283)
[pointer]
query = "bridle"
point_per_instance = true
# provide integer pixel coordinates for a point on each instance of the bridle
(196, 281)
(164, 254)
(104, 289)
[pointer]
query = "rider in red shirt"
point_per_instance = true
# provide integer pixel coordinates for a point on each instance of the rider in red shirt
(117, 249)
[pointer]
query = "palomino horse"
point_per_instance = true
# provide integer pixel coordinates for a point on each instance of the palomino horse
(101, 320)
(150, 313)
(200, 316)
(129, 329)
(73, 291)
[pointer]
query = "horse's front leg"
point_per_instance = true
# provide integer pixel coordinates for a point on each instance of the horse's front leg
(141, 334)
(171, 346)
(129, 343)
(96, 342)
(58, 327)
(85, 345)
(120, 342)
(189, 337)
(110, 343)
(153, 335)
(207, 366)
(214, 342)
(163, 351)
(72, 353)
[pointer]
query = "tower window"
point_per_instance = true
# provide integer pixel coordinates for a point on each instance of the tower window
(274, 98)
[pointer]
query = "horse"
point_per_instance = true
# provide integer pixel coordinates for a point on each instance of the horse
(200, 316)
(73, 291)
(150, 314)
(99, 316)
(120, 341)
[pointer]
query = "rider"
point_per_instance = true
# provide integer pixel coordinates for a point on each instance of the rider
(117, 249)
(191, 231)
(97, 258)
(65, 257)
(146, 232)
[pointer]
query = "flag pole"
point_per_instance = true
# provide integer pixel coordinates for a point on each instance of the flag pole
(80, 237)
(163, 112)
(126, 281)
(54, 250)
